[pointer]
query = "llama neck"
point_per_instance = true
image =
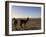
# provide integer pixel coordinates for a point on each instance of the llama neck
(27, 19)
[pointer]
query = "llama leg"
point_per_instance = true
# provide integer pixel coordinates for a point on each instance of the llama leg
(21, 24)
(15, 26)
(24, 26)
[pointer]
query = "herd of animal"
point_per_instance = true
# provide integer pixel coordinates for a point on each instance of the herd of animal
(22, 21)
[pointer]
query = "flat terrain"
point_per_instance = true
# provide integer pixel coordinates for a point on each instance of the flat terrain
(32, 24)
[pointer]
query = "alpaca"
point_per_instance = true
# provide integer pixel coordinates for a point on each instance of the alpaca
(23, 22)
(14, 22)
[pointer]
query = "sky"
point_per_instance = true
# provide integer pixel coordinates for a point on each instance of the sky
(25, 11)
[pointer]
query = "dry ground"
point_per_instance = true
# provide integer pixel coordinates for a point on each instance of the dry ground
(32, 24)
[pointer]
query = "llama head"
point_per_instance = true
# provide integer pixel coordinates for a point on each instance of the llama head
(13, 19)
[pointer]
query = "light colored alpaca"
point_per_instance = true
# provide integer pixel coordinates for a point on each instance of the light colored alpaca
(14, 22)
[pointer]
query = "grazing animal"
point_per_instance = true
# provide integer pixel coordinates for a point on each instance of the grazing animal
(22, 21)
(14, 22)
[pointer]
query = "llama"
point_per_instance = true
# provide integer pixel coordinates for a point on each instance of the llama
(23, 22)
(14, 22)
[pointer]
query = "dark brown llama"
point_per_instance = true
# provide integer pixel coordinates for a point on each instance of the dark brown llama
(23, 22)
